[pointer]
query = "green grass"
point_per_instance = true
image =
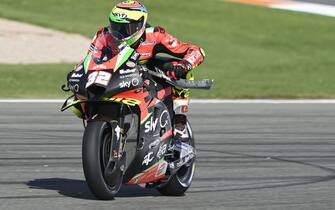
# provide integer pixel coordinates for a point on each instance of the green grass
(33, 81)
(252, 52)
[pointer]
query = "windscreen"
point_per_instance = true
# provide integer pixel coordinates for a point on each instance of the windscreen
(106, 47)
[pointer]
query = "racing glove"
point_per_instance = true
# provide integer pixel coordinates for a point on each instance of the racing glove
(176, 70)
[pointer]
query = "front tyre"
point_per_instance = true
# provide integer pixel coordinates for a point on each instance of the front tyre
(181, 181)
(96, 152)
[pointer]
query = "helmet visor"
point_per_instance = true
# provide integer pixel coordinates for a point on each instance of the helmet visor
(125, 30)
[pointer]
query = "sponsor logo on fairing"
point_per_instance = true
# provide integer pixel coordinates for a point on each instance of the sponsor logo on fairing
(148, 158)
(100, 66)
(128, 101)
(161, 151)
(75, 75)
(127, 71)
(127, 76)
(154, 144)
(163, 119)
(74, 88)
(74, 80)
(134, 82)
(124, 84)
(130, 64)
(151, 125)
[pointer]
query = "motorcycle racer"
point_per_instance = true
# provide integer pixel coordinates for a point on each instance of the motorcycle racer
(128, 23)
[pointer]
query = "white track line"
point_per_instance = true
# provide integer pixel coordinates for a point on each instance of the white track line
(263, 101)
(201, 101)
(32, 100)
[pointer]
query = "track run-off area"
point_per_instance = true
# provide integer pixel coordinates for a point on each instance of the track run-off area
(249, 156)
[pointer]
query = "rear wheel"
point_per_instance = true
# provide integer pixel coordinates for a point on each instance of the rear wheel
(97, 163)
(181, 181)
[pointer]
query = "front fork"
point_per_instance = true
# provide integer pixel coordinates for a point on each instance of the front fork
(117, 155)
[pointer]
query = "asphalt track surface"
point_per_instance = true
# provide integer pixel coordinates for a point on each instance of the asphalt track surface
(250, 156)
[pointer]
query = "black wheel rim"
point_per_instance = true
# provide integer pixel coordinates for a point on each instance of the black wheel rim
(106, 145)
(105, 152)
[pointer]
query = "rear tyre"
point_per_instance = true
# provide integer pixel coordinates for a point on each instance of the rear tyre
(181, 181)
(96, 149)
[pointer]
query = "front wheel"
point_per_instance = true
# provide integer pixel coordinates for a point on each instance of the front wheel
(97, 162)
(181, 181)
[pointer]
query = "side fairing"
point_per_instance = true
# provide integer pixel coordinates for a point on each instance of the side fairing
(155, 133)
(123, 80)
(77, 81)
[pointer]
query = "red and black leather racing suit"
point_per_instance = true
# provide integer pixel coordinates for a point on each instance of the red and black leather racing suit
(156, 40)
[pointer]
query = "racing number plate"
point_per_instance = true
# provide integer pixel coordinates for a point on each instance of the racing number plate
(98, 77)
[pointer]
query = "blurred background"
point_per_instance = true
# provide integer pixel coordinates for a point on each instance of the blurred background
(251, 51)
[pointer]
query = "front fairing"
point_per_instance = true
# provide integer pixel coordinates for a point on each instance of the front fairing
(77, 82)
(105, 73)
(123, 80)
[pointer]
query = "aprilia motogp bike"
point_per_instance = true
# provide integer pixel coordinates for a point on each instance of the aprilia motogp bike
(127, 110)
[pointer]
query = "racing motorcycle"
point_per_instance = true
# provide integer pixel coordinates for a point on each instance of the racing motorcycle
(127, 110)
